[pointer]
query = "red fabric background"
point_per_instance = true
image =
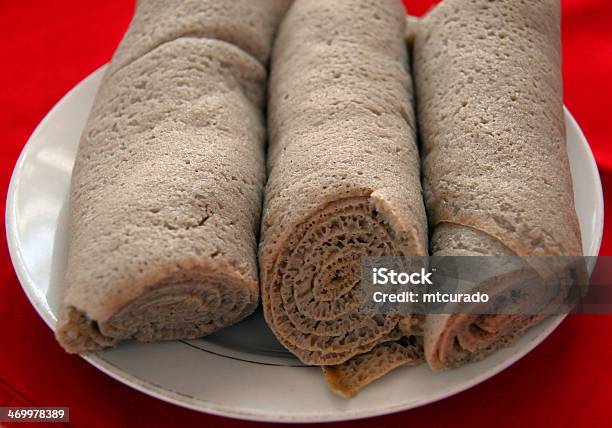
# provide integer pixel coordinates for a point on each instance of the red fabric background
(46, 47)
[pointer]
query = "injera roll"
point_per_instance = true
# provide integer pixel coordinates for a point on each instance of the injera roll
(166, 192)
(344, 179)
(497, 179)
(247, 24)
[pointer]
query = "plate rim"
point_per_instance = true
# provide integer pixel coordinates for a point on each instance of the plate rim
(173, 397)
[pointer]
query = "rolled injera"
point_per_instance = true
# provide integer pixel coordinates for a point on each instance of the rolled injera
(343, 177)
(248, 24)
(167, 186)
(497, 180)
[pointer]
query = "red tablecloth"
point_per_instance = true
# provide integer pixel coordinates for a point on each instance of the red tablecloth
(46, 47)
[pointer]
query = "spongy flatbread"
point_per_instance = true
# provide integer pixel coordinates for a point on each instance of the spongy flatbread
(496, 172)
(247, 24)
(490, 104)
(349, 378)
(165, 198)
(344, 178)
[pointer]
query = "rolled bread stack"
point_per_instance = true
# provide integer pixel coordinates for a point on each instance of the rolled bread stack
(169, 176)
(343, 184)
(168, 181)
(497, 179)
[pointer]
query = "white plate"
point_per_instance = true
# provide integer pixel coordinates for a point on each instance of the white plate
(241, 372)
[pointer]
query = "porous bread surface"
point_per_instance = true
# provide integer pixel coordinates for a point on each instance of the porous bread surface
(456, 339)
(449, 239)
(165, 198)
(496, 172)
(489, 90)
(247, 24)
(348, 378)
(343, 174)
(452, 340)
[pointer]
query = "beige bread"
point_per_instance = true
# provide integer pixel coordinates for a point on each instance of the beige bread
(496, 173)
(247, 24)
(348, 378)
(344, 179)
(456, 339)
(166, 195)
